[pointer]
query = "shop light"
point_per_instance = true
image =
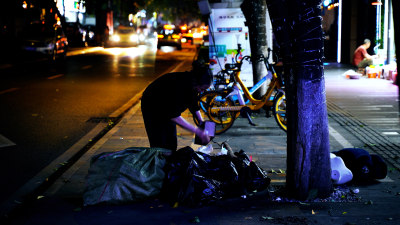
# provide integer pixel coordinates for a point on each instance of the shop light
(332, 6)
(169, 26)
(376, 3)
(184, 27)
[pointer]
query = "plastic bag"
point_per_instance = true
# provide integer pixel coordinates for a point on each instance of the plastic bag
(195, 178)
(340, 174)
(363, 165)
(132, 174)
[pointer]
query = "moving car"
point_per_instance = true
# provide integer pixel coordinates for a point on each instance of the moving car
(169, 35)
(44, 40)
(144, 33)
(124, 36)
(187, 37)
(197, 35)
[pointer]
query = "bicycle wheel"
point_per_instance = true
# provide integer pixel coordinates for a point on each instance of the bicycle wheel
(279, 111)
(204, 103)
(223, 119)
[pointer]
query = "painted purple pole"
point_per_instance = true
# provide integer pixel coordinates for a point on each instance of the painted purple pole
(298, 31)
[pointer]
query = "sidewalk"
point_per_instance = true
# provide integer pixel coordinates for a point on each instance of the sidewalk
(266, 143)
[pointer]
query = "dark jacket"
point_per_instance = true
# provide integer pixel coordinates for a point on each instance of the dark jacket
(170, 95)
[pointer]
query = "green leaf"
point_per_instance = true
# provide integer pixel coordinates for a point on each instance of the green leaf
(267, 218)
(303, 203)
(196, 219)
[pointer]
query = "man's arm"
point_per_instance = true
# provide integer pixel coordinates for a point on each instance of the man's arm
(188, 126)
(365, 54)
(184, 124)
(199, 117)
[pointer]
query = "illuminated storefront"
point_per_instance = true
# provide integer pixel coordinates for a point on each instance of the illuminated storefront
(354, 21)
(73, 10)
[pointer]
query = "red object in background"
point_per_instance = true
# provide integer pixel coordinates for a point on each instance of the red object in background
(393, 76)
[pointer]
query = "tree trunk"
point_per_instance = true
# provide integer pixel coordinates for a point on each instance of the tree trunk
(255, 13)
(298, 31)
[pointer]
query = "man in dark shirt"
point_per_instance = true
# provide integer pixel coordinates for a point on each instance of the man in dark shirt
(166, 98)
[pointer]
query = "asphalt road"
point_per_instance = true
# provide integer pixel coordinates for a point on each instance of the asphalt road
(47, 107)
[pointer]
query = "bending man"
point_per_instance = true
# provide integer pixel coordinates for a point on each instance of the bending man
(166, 98)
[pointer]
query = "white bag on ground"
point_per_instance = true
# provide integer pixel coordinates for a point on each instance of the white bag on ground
(340, 173)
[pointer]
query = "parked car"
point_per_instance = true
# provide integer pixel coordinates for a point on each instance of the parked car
(44, 40)
(76, 34)
(90, 37)
(124, 36)
(169, 35)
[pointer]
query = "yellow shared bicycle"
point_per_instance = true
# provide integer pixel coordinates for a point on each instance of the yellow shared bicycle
(224, 106)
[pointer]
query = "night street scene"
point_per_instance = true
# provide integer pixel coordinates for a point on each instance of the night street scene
(199, 112)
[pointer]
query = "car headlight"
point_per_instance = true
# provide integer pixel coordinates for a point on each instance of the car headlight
(50, 45)
(133, 38)
(197, 35)
(91, 34)
(141, 37)
(116, 38)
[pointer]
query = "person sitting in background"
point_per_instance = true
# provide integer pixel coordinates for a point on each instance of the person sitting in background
(361, 58)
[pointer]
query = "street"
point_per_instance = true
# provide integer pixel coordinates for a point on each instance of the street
(98, 93)
(373, 203)
(47, 107)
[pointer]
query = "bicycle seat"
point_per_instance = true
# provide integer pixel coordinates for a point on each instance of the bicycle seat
(230, 66)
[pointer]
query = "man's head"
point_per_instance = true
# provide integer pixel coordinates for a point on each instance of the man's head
(202, 76)
(367, 43)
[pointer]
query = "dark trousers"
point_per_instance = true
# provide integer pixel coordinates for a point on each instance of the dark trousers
(364, 63)
(161, 132)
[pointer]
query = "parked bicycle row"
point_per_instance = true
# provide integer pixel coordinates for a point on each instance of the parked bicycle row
(229, 97)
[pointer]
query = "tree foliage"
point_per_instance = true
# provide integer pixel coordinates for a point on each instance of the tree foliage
(172, 10)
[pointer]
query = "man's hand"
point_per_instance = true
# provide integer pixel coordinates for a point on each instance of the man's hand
(203, 135)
